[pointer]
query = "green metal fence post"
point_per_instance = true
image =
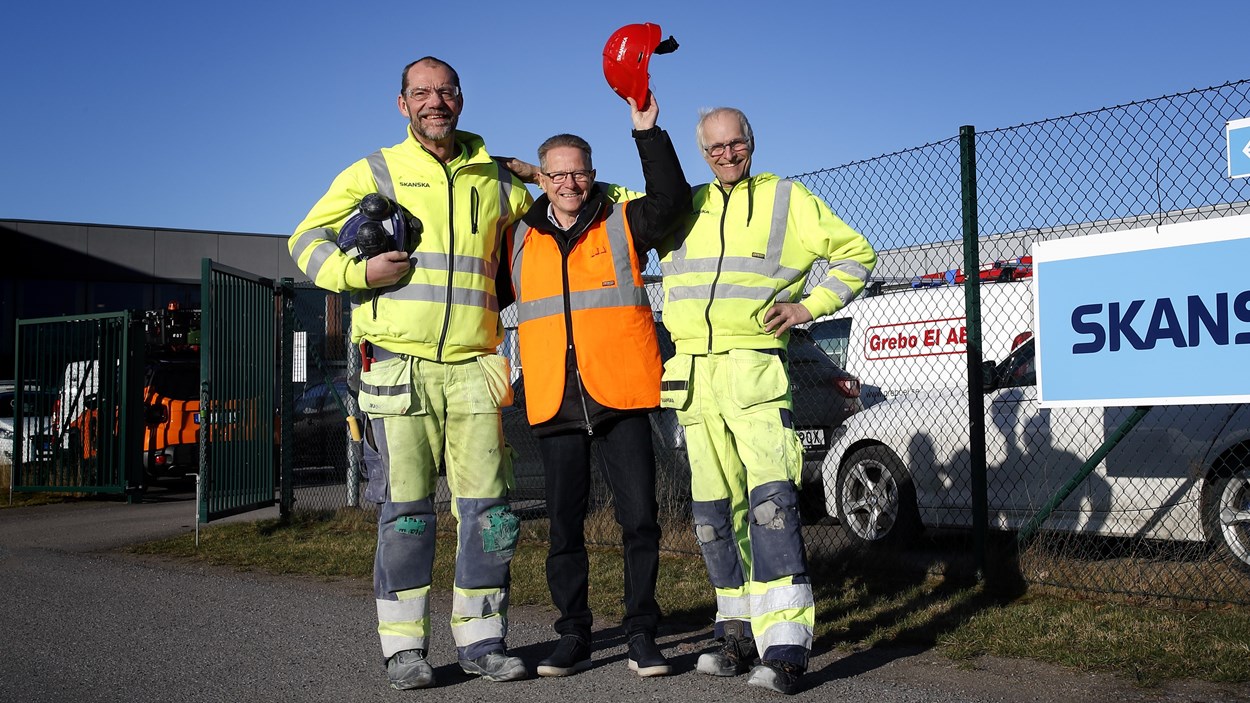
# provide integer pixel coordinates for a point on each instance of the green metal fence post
(286, 293)
(972, 303)
(131, 415)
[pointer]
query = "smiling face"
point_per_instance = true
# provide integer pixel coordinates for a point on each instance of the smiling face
(726, 146)
(572, 166)
(426, 102)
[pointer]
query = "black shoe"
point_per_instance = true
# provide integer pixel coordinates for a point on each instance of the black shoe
(732, 659)
(777, 675)
(645, 657)
(571, 655)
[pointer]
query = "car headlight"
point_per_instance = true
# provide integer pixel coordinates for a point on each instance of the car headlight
(6, 433)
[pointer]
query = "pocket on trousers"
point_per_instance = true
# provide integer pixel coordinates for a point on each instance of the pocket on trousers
(676, 382)
(758, 377)
(387, 388)
(497, 371)
(375, 468)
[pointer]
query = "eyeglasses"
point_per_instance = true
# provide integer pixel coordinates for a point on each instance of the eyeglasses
(719, 149)
(561, 176)
(421, 93)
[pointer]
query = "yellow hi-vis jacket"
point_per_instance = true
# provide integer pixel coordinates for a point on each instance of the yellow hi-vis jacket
(744, 250)
(445, 308)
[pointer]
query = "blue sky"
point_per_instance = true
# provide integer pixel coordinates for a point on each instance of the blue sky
(235, 116)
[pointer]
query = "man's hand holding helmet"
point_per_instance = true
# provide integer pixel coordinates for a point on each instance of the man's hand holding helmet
(382, 233)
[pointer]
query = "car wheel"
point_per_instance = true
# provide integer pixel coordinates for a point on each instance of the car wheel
(875, 498)
(1227, 513)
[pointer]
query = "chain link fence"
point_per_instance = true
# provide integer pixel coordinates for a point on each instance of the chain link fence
(881, 389)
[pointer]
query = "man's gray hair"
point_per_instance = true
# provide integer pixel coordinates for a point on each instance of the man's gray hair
(706, 114)
(563, 140)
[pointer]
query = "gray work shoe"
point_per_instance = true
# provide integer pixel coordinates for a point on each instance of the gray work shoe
(732, 659)
(409, 669)
(495, 666)
(776, 675)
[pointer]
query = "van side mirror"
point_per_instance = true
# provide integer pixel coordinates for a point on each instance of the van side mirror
(988, 376)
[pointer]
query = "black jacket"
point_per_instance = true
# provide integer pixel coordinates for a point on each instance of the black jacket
(650, 217)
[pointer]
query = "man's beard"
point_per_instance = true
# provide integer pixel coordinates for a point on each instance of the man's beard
(437, 134)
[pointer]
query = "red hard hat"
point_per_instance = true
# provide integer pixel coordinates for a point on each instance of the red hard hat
(627, 55)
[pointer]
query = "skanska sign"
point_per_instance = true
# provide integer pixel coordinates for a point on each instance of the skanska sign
(1152, 316)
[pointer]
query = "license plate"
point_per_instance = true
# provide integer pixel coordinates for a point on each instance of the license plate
(811, 437)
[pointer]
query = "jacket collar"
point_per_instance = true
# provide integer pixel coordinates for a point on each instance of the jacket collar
(537, 218)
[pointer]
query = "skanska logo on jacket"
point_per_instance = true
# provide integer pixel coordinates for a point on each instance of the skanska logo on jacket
(415, 184)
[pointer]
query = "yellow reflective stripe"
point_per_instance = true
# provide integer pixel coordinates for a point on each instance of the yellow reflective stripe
(319, 254)
(781, 633)
(395, 643)
(431, 293)
(732, 607)
(458, 263)
(776, 598)
(704, 293)
(381, 174)
(409, 608)
(478, 603)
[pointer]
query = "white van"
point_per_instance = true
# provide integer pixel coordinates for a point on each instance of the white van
(915, 339)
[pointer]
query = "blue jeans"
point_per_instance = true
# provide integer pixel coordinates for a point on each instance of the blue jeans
(624, 445)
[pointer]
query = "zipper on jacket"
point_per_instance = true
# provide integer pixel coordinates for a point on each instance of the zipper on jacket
(565, 249)
(474, 203)
(451, 255)
(720, 262)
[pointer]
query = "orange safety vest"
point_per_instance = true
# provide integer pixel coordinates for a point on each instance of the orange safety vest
(607, 304)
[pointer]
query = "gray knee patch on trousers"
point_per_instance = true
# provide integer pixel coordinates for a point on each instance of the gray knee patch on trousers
(487, 537)
(714, 530)
(405, 556)
(776, 543)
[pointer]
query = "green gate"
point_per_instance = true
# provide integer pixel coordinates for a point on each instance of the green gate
(78, 420)
(239, 359)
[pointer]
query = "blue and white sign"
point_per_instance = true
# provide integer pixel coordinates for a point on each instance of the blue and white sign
(1145, 317)
(1238, 134)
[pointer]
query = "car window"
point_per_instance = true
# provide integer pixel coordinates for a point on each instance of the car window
(1018, 369)
(804, 350)
(8, 401)
(177, 381)
(834, 337)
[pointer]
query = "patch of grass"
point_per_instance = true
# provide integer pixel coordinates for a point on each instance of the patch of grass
(856, 609)
(23, 498)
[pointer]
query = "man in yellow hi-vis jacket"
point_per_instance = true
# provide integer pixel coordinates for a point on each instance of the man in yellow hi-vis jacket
(732, 283)
(427, 316)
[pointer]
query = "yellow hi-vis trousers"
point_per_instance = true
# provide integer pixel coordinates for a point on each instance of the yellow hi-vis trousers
(745, 463)
(423, 414)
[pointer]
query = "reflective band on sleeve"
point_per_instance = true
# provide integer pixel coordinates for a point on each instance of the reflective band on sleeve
(838, 288)
(381, 174)
(320, 255)
(850, 267)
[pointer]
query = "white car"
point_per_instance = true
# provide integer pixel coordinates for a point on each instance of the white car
(35, 420)
(1183, 473)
